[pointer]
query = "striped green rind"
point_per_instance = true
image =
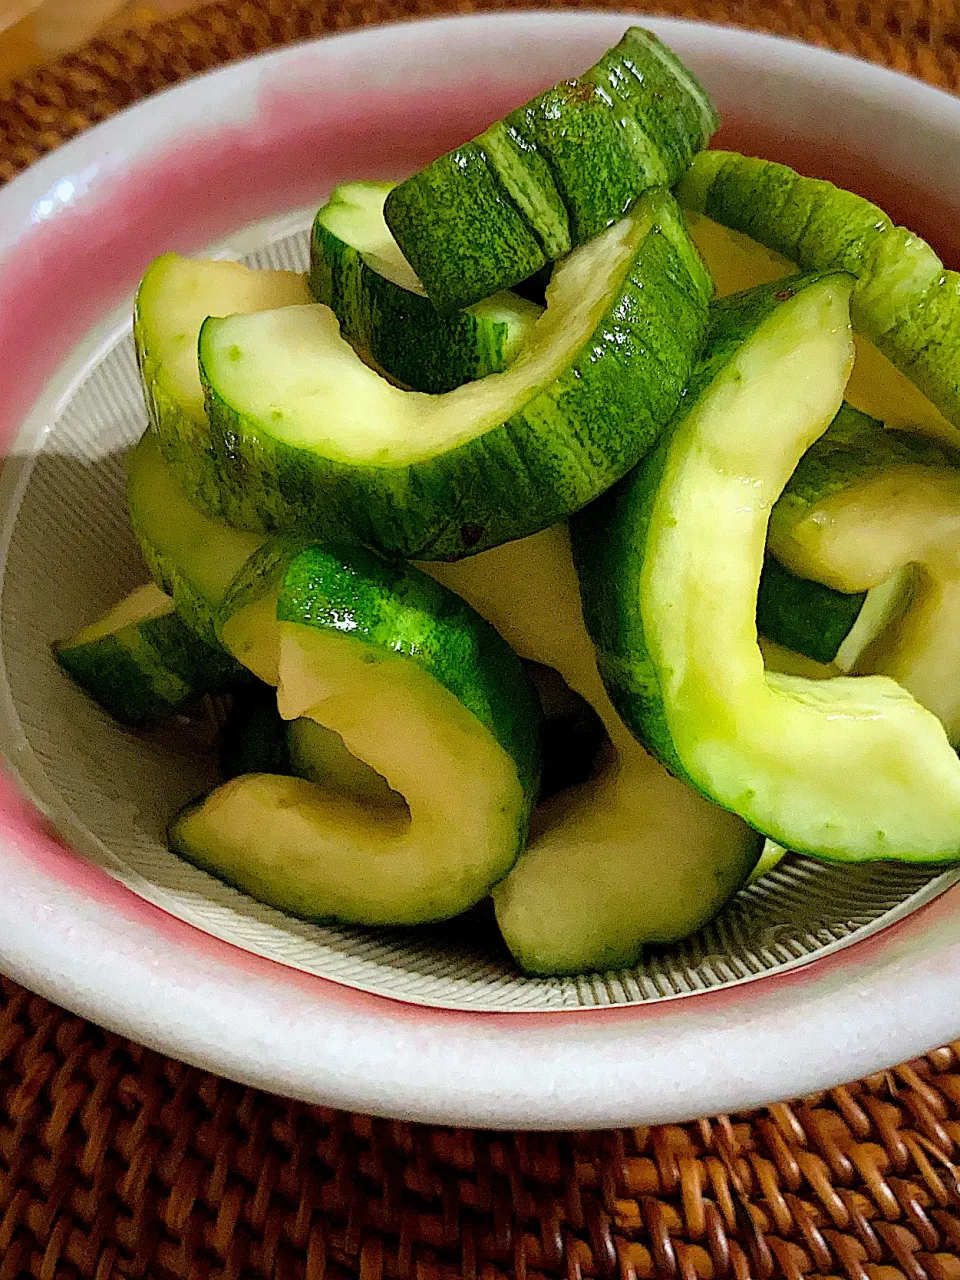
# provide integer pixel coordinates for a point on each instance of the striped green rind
(805, 617)
(394, 606)
(552, 174)
(189, 556)
(397, 326)
(146, 669)
(563, 442)
(904, 300)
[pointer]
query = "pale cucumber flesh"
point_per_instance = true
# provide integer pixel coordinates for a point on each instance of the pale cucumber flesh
(420, 849)
(291, 370)
(631, 856)
(139, 606)
(177, 295)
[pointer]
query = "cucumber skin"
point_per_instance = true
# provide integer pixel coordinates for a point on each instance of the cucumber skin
(195, 610)
(568, 444)
(917, 326)
(402, 331)
(500, 248)
(145, 672)
(609, 539)
(328, 585)
(577, 146)
(802, 615)
(854, 448)
(323, 586)
(925, 344)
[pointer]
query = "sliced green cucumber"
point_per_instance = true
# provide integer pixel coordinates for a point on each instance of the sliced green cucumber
(174, 298)
(876, 386)
(190, 556)
(319, 442)
(421, 690)
(796, 612)
(904, 300)
(139, 661)
(358, 271)
(843, 769)
(870, 506)
(551, 175)
(629, 858)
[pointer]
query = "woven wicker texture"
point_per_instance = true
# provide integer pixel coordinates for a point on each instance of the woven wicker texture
(117, 1162)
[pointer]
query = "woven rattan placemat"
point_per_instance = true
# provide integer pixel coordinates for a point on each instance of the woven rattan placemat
(116, 1161)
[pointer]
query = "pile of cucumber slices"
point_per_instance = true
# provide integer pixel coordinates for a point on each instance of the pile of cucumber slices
(588, 513)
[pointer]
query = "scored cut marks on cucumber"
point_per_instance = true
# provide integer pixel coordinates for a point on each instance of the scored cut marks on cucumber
(357, 269)
(551, 175)
(422, 691)
(319, 442)
(843, 769)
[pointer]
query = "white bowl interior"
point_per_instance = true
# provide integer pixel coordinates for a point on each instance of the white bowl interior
(111, 792)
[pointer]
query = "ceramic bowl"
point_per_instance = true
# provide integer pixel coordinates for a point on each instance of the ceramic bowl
(805, 982)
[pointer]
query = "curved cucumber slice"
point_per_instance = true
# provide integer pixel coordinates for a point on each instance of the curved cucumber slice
(631, 856)
(868, 506)
(844, 769)
(319, 442)
(419, 688)
(358, 271)
(904, 299)
(551, 175)
(190, 556)
(174, 298)
(806, 616)
(139, 661)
